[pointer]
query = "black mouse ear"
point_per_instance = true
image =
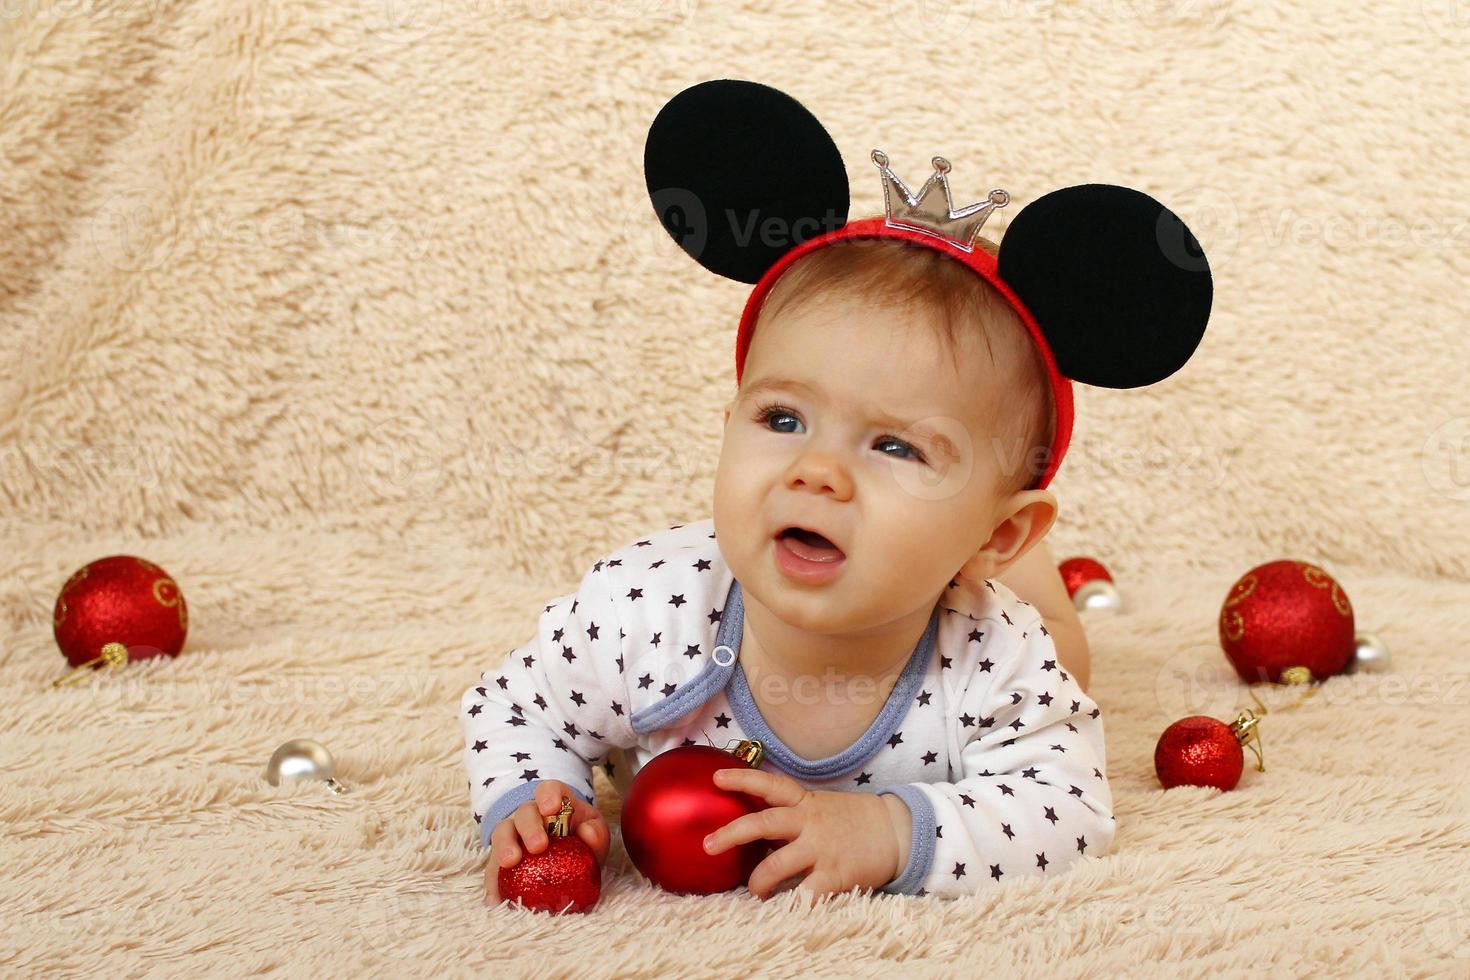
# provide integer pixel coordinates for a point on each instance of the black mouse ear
(1118, 284)
(740, 173)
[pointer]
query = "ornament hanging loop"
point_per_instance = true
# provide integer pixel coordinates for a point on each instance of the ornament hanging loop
(1246, 725)
(1247, 728)
(113, 655)
(1298, 676)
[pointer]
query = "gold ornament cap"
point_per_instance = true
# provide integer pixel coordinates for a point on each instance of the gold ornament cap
(748, 749)
(559, 824)
(114, 655)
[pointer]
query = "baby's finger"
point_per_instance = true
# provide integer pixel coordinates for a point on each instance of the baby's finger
(504, 844)
(492, 882)
(531, 826)
(775, 788)
(772, 823)
(596, 835)
(779, 866)
(549, 793)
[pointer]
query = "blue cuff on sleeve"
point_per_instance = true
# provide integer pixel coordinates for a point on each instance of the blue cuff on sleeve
(507, 804)
(921, 844)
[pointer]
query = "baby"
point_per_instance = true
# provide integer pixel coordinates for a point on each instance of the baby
(926, 730)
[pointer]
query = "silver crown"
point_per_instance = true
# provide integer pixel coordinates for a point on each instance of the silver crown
(920, 212)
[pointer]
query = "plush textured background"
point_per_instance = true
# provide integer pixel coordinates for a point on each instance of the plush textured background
(355, 317)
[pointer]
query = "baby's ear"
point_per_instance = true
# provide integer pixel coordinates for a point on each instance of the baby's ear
(1033, 512)
(1027, 517)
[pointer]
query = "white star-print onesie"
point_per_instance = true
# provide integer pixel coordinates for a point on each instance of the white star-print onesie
(996, 750)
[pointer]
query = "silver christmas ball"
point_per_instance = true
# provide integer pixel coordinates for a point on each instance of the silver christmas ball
(1097, 594)
(1370, 655)
(301, 758)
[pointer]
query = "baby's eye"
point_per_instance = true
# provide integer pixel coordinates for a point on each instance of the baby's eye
(776, 412)
(917, 455)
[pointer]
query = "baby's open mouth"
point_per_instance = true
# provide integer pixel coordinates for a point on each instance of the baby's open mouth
(810, 545)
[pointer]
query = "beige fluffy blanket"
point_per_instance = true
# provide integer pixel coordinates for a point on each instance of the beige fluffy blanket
(355, 318)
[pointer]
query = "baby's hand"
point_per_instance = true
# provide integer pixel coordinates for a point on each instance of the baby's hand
(838, 840)
(526, 828)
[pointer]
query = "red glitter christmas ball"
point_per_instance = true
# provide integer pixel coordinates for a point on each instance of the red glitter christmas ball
(1077, 572)
(1284, 614)
(563, 878)
(120, 599)
(1199, 751)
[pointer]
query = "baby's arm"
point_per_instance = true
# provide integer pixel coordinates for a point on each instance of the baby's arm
(552, 710)
(1035, 578)
(1033, 796)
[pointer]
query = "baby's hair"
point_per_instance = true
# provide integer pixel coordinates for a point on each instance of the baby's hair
(896, 273)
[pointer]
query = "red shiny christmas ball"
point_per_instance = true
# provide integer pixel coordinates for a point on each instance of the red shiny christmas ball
(563, 878)
(672, 803)
(120, 599)
(1077, 572)
(1199, 751)
(1284, 614)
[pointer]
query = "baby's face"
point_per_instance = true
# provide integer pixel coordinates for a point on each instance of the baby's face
(854, 421)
